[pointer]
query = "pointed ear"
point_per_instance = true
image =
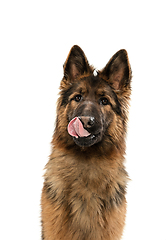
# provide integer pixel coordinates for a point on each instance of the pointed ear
(76, 64)
(117, 71)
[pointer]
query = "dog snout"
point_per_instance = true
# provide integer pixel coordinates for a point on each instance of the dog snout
(87, 121)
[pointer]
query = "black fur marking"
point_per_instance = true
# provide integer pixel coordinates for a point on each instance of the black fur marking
(118, 105)
(65, 96)
(119, 196)
(42, 231)
(103, 203)
(50, 192)
(43, 235)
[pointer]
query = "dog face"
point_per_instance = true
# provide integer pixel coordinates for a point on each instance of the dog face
(93, 105)
(93, 109)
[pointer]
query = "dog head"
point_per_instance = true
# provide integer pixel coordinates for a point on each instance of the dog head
(92, 108)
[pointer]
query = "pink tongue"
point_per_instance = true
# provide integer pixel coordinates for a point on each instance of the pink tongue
(76, 129)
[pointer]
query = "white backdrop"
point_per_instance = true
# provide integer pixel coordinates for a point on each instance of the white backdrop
(35, 38)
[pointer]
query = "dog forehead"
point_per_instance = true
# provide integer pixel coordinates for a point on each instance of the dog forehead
(95, 84)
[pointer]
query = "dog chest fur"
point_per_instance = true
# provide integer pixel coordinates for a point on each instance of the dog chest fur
(89, 195)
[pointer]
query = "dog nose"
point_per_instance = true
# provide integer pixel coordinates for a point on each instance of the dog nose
(87, 121)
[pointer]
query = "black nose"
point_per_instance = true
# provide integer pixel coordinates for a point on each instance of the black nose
(87, 121)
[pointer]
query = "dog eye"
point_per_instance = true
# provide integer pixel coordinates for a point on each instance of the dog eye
(104, 101)
(78, 98)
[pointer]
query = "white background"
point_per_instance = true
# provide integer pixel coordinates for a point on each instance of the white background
(35, 38)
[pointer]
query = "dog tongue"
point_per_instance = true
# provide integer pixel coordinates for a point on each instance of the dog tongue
(76, 129)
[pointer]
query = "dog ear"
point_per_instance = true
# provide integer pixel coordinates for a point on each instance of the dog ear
(117, 71)
(76, 64)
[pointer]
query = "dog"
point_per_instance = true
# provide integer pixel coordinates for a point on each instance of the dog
(83, 196)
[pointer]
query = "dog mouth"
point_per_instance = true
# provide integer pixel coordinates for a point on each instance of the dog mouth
(81, 136)
(75, 128)
(86, 141)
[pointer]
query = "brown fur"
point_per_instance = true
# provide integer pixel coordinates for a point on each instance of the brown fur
(83, 196)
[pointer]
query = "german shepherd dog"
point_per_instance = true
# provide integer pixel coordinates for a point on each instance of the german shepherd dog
(83, 196)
